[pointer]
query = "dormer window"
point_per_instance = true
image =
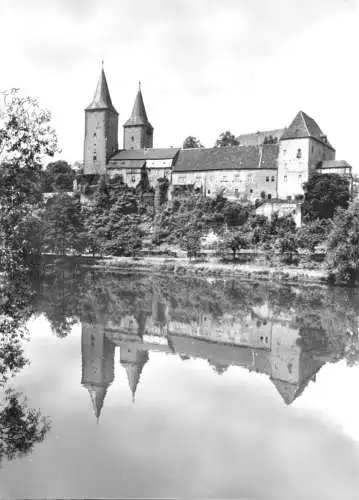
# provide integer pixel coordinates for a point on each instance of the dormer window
(299, 153)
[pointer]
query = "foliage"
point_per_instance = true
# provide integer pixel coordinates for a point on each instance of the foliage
(21, 427)
(288, 248)
(191, 242)
(58, 176)
(26, 138)
(323, 194)
(191, 142)
(234, 241)
(63, 225)
(270, 139)
(313, 233)
(226, 139)
(343, 245)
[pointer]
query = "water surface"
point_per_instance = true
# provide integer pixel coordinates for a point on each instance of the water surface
(176, 387)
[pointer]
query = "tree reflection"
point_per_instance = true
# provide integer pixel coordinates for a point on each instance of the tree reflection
(21, 427)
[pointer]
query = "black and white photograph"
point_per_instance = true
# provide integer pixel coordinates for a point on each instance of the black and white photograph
(179, 249)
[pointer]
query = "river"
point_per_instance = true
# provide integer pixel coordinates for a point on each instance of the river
(165, 386)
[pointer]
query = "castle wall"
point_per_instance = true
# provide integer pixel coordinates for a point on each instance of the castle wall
(293, 167)
(137, 137)
(319, 152)
(95, 142)
(234, 184)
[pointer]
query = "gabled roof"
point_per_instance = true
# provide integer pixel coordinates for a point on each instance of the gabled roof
(333, 164)
(257, 138)
(144, 154)
(228, 158)
(303, 126)
(102, 98)
(138, 115)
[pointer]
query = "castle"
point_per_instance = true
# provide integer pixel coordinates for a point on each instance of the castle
(272, 165)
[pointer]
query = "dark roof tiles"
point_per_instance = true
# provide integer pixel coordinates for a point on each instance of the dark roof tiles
(228, 158)
(138, 115)
(102, 98)
(144, 154)
(303, 126)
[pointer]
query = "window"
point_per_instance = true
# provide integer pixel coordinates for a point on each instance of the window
(94, 134)
(273, 178)
(208, 191)
(299, 153)
(300, 177)
(289, 198)
(312, 148)
(251, 191)
(236, 193)
(237, 178)
(284, 151)
(94, 156)
(132, 138)
(269, 197)
(267, 179)
(285, 178)
(133, 178)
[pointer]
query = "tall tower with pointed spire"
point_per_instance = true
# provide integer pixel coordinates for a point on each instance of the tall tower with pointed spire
(137, 131)
(98, 357)
(101, 129)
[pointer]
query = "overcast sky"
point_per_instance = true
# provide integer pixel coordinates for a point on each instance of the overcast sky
(206, 66)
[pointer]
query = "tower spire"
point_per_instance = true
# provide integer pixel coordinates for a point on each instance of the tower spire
(102, 98)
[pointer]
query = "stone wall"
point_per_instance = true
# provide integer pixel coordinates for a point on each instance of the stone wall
(234, 184)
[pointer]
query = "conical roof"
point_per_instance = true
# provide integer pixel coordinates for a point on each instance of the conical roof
(102, 98)
(97, 395)
(134, 370)
(138, 115)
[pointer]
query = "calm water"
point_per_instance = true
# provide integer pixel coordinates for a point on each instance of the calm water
(160, 386)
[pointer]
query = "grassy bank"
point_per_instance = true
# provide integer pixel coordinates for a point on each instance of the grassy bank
(211, 268)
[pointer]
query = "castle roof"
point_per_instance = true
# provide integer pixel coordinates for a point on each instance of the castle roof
(102, 98)
(97, 395)
(227, 158)
(257, 138)
(144, 154)
(303, 126)
(333, 164)
(138, 115)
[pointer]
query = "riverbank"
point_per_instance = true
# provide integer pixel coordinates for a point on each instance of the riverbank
(211, 268)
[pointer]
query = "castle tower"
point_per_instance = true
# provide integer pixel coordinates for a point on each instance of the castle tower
(301, 147)
(101, 129)
(133, 360)
(98, 356)
(137, 131)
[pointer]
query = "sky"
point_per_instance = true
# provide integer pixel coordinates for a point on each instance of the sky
(205, 66)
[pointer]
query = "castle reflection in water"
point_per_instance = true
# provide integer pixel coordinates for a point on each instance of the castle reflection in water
(257, 341)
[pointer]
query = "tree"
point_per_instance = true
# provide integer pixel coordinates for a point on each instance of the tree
(343, 245)
(63, 225)
(313, 233)
(234, 241)
(226, 139)
(21, 427)
(26, 138)
(191, 242)
(191, 142)
(58, 176)
(323, 194)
